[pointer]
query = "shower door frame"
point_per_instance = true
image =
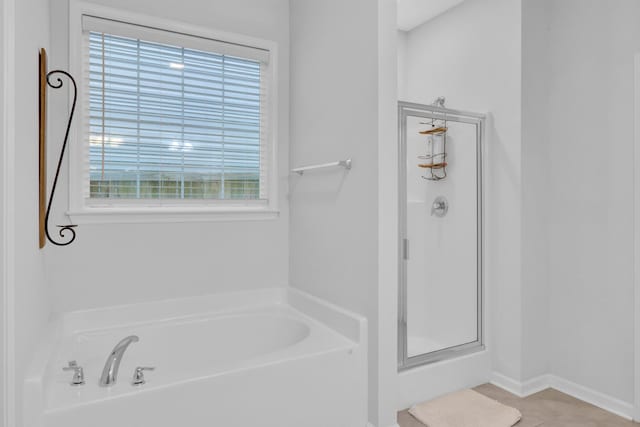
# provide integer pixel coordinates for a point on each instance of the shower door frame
(406, 109)
(636, 240)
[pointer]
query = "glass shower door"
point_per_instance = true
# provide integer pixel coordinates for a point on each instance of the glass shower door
(440, 233)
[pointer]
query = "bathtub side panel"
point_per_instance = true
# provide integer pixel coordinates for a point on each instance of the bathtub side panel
(319, 391)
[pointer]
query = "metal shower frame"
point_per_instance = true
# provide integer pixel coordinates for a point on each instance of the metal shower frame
(437, 111)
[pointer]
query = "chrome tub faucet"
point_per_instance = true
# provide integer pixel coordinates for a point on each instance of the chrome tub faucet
(111, 366)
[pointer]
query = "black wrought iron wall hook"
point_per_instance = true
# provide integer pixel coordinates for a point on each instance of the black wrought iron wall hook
(65, 232)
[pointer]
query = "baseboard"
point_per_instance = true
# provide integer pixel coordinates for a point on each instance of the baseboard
(527, 388)
(521, 389)
(601, 400)
(506, 383)
(536, 385)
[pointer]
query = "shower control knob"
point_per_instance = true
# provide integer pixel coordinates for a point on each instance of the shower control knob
(440, 207)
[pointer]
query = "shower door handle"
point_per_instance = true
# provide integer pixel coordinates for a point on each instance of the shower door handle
(405, 249)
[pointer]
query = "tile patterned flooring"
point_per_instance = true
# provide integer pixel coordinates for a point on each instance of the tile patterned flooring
(548, 408)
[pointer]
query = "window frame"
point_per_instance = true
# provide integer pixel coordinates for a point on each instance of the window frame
(82, 210)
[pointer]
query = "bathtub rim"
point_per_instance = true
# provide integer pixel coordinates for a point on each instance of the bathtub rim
(341, 320)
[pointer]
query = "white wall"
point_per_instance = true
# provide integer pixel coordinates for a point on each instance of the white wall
(471, 55)
(387, 213)
(31, 306)
(590, 89)
(402, 64)
(536, 183)
(334, 115)
(4, 229)
(125, 263)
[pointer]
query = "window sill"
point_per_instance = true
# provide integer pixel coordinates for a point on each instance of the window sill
(128, 215)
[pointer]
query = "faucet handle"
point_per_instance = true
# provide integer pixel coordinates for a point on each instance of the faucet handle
(138, 374)
(78, 373)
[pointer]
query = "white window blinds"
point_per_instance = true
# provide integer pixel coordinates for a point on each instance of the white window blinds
(165, 120)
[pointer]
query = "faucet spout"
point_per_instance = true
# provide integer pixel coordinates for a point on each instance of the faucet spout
(111, 366)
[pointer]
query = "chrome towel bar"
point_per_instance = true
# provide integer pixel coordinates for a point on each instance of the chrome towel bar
(344, 163)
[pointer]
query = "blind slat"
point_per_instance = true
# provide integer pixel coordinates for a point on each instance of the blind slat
(172, 122)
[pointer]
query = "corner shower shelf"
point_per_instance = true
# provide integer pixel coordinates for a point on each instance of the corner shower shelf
(436, 150)
(434, 131)
(433, 166)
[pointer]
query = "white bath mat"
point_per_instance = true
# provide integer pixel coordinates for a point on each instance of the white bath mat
(466, 408)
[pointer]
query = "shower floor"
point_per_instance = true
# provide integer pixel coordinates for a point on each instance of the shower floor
(420, 345)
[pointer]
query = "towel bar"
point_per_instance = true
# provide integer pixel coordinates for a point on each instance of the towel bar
(344, 163)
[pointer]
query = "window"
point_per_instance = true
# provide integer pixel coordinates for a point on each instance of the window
(172, 120)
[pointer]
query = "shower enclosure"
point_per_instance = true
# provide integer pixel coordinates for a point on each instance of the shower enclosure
(441, 241)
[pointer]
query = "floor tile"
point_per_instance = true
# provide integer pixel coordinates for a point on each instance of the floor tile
(548, 408)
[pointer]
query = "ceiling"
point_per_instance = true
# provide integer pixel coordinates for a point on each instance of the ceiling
(412, 13)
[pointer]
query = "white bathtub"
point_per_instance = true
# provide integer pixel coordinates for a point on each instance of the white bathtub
(274, 358)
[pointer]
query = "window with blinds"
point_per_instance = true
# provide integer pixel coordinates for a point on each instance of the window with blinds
(171, 116)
